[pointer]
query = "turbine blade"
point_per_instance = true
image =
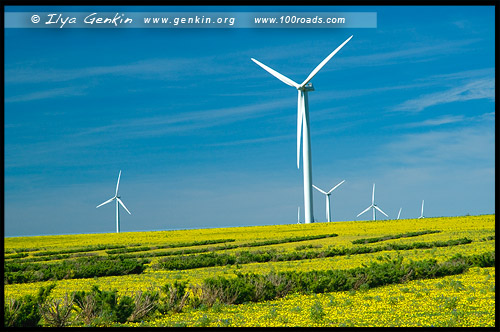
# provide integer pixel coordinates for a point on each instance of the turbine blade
(422, 213)
(381, 211)
(118, 183)
(300, 115)
(279, 76)
(336, 186)
(373, 194)
(109, 200)
(120, 201)
(368, 208)
(324, 192)
(318, 68)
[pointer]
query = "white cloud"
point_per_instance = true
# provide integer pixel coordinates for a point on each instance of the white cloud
(447, 119)
(477, 89)
(469, 145)
(53, 93)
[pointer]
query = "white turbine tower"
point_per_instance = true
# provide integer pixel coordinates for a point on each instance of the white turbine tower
(422, 211)
(373, 206)
(303, 126)
(399, 213)
(327, 195)
(298, 214)
(118, 200)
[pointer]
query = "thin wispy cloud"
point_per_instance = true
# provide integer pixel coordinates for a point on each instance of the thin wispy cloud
(467, 144)
(447, 119)
(47, 94)
(253, 141)
(184, 122)
(477, 89)
(408, 52)
(165, 69)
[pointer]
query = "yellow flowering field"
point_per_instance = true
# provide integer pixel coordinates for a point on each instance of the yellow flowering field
(471, 303)
(461, 300)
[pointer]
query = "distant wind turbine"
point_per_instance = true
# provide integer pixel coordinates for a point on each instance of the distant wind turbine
(303, 126)
(118, 200)
(373, 206)
(399, 213)
(422, 211)
(327, 195)
(298, 214)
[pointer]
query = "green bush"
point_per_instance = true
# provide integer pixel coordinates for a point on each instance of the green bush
(103, 306)
(391, 237)
(96, 266)
(24, 312)
(175, 298)
(254, 287)
(259, 256)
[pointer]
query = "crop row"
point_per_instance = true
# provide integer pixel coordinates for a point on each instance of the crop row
(165, 246)
(392, 237)
(137, 251)
(103, 307)
(245, 257)
(96, 266)
(87, 267)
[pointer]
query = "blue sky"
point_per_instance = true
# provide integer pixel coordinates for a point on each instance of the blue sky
(206, 138)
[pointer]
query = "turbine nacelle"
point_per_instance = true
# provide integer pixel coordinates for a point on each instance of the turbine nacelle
(307, 87)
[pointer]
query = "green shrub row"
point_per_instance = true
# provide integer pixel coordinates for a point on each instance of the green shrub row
(178, 252)
(287, 240)
(98, 307)
(56, 257)
(172, 245)
(245, 257)
(391, 237)
(17, 255)
(488, 238)
(228, 246)
(18, 250)
(81, 249)
(96, 266)
(25, 311)
(93, 308)
(257, 287)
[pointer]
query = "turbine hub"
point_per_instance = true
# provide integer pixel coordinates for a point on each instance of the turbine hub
(308, 87)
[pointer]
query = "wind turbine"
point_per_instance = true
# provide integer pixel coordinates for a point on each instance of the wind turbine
(303, 126)
(118, 200)
(422, 212)
(327, 195)
(298, 214)
(399, 213)
(373, 206)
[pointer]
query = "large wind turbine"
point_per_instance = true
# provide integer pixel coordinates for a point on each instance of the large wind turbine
(118, 200)
(303, 126)
(422, 212)
(373, 206)
(327, 195)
